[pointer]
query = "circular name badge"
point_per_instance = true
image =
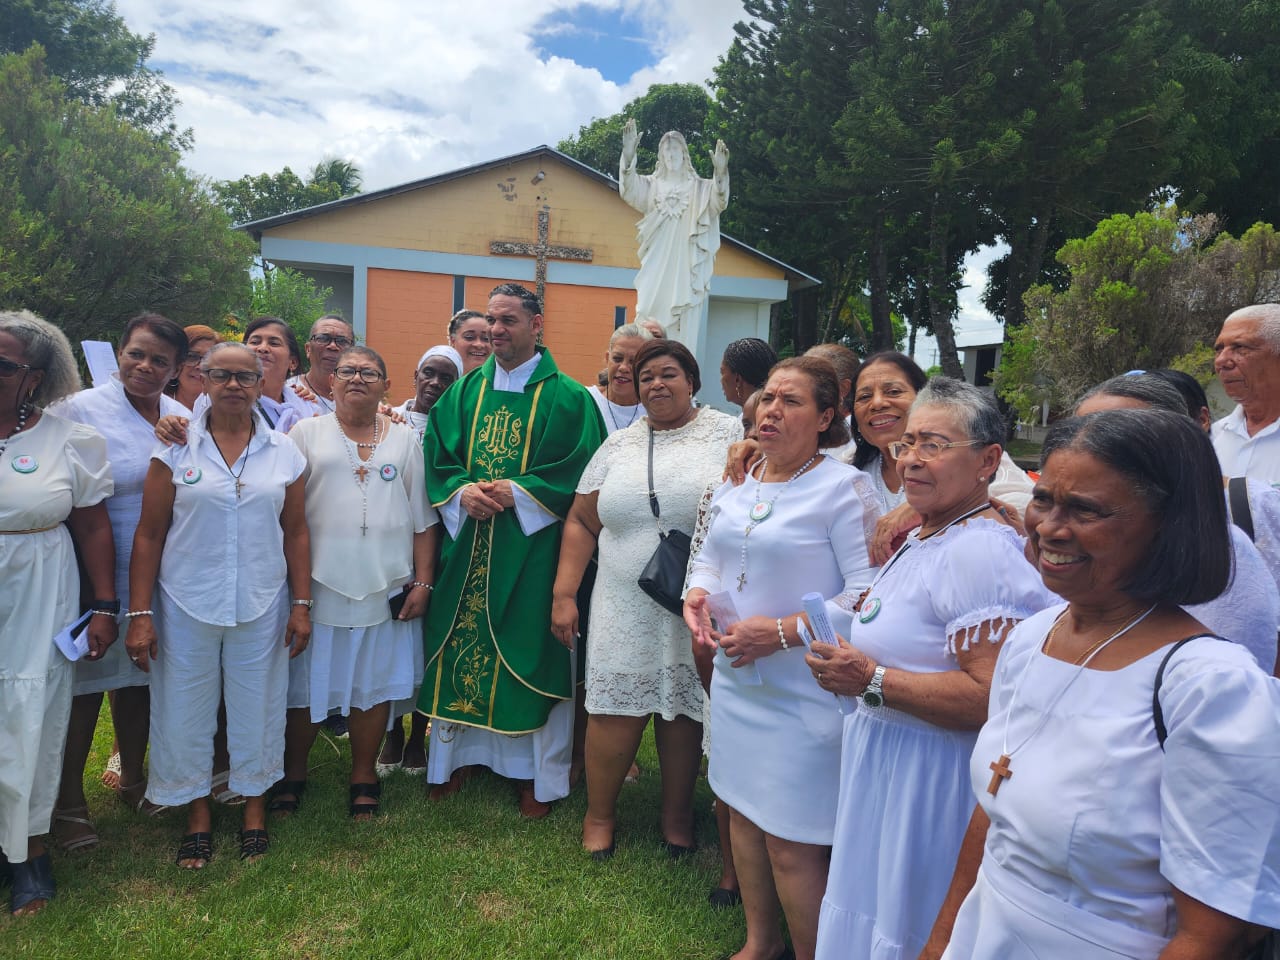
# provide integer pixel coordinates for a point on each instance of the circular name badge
(192, 475)
(26, 464)
(870, 609)
(388, 471)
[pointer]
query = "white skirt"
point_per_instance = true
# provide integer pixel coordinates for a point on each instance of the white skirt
(905, 803)
(356, 667)
(775, 746)
(114, 671)
(410, 703)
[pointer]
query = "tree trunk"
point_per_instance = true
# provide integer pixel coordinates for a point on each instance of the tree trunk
(805, 321)
(1026, 257)
(881, 319)
(940, 303)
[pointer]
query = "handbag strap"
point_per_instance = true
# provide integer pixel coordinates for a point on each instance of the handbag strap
(653, 496)
(1238, 497)
(1157, 714)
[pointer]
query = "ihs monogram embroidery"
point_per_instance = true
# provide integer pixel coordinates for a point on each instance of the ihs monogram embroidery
(500, 440)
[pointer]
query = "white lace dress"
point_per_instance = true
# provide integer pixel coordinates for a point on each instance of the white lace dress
(639, 658)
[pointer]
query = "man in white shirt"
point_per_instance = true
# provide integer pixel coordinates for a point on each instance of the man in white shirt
(329, 336)
(1247, 361)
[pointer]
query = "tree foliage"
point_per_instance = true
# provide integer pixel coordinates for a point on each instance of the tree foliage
(663, 107)
(269, 194)
(98, 220)
(1147, 290)
(99, 59)
(282, 292)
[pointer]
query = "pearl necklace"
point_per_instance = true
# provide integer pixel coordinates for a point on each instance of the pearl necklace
(761, 510)
(358, 468)
(24, 412)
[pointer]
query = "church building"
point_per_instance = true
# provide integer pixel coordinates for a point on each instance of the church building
(402, 260)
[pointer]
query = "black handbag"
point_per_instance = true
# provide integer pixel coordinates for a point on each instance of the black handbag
(663, 576)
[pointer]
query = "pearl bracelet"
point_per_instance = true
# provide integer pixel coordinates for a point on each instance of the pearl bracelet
(137, 613)
(782, 636)
(303, 603)
(419, 583)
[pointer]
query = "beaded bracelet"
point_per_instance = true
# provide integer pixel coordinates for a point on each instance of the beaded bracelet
(419, 583)
(137, 613)
(782, 636)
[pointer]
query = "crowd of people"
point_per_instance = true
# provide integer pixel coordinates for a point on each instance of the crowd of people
(949, 708)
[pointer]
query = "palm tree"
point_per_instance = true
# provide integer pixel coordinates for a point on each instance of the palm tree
(343, 174)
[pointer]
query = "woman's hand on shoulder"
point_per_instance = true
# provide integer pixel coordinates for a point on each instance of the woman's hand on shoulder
(891, 530)
(1009, 515)
(741, 455)
(842, 669)
(391, 413)
(172, 429)
(301, 390)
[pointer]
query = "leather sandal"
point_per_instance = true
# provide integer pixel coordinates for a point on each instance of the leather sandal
(32, 881)
(134, 796)
(358, 791)
(254, 844)
(195, 846)
(293, 789)
(73, 829)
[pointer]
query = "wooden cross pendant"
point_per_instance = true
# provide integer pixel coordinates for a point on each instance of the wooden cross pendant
(362, 473)
(239, 487)
(1000, 773)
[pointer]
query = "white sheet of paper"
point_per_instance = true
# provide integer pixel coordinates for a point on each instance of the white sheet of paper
(73, 641)
(724, 614)
(100, 357)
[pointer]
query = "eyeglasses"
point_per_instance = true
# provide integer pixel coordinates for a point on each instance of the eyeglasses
(246, 378)
(324, 339)
(193, 359)
(925, 450)
(9, 368)
(366, 374)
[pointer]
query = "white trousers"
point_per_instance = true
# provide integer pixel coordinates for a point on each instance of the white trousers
(196, 666)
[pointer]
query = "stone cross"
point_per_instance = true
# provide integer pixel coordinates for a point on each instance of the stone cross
(541, 251)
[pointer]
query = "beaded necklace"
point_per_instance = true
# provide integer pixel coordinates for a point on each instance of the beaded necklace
(761, 510)
(360, 471)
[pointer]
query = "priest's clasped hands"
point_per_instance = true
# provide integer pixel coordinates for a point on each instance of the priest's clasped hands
(484, 498)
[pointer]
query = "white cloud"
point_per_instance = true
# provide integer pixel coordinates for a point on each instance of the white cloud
(404, 89)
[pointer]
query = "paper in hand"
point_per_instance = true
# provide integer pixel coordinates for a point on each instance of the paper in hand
(73, 641)
(724, 615)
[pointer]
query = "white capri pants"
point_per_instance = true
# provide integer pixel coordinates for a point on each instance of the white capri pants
(196, 666)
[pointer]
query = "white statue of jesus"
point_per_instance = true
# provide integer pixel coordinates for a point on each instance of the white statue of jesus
(679, 234)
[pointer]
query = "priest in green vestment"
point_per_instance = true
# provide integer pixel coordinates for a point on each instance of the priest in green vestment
(504, 450)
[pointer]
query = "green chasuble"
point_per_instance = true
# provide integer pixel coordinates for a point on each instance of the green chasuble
(491, 659)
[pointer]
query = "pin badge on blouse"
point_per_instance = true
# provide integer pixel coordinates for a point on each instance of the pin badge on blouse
(870, 609)
(387, 471)
(26, 464)
(192, 475)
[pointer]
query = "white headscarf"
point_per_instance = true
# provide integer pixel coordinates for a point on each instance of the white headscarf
(441, 351)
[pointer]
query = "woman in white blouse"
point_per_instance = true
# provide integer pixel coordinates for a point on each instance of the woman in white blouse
(223, 534)
(373, 535)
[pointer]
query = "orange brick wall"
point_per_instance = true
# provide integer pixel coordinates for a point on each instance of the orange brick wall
(406, 313)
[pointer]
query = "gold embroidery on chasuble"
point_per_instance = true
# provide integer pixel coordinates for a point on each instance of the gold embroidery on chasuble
(474, 665)
(499, 442)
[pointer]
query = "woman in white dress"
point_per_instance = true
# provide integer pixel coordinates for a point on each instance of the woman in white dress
(439, 368)
(125, 412)
(469, 335)
(642, 666)
(373, 537)
(221, 545)
(1126, 782)
(799, 524)
(916, 668)
(55, 481)
(619, 398)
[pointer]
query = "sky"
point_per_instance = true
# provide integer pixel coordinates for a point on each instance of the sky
(408, 89)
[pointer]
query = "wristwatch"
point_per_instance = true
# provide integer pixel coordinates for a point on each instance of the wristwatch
(304, 603)
(873, 696)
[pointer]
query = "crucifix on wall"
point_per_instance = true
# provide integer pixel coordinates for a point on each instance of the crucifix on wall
(541, 250)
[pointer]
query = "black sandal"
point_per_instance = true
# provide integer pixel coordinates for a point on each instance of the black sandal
(294, 788)
(358, 791)
(253, 843)
(195, 846)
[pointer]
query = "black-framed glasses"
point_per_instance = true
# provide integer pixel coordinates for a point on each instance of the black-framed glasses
(246, 378)
(925, 450)
(10, 368)
(366, 374)
(192, 359)
(337, 339)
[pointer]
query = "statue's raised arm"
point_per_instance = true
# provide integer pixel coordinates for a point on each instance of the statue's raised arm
(679, 233)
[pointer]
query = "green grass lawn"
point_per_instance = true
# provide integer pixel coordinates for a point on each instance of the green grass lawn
(462, 878)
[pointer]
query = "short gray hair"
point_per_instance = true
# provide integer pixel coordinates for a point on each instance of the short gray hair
(975, 409)
(46, 349)
(1268, 317)
(1146, 389)
(223, 347)
(629, 330)
(332, 316)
